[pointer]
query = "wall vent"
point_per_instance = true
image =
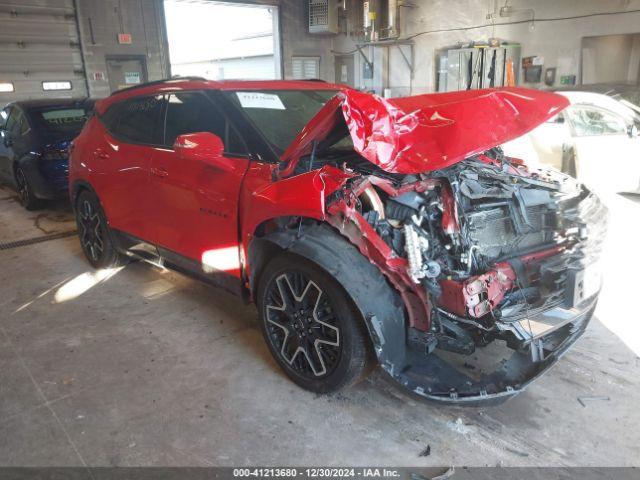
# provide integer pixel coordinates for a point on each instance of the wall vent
(323, 16)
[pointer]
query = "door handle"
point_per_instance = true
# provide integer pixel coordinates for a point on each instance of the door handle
(159, 172)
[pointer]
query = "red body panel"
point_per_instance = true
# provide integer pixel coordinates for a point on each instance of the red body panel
(196, 208)
(120, 172)
(303, 195)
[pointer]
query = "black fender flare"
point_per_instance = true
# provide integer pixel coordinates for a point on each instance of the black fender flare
(77, 186)
(25, 162)
(379, 304)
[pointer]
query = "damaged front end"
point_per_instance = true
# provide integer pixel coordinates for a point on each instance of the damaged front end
(496, 265)
(482, 252)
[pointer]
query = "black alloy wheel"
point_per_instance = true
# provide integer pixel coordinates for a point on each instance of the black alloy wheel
(25, 192)
(310, 325)
(302, 325)
(91, 231)
(95, 237)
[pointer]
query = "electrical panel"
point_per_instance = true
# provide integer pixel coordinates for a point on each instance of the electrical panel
(323, 16)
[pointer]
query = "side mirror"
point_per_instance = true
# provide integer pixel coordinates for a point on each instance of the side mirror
(633, 131)
(199, 146)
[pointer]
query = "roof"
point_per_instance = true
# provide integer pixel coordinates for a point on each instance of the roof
(195, 83)
(50, 103)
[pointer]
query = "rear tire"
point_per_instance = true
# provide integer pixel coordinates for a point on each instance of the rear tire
(96, 239)
(311, 325)
(25, 192)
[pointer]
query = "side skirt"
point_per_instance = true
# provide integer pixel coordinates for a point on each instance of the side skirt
(143, 250)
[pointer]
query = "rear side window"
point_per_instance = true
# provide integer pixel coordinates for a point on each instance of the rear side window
(192, 113)
(138, 120)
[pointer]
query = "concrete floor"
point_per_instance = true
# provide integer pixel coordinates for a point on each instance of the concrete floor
(148, 367)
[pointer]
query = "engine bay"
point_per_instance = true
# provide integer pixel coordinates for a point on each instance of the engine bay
(476, 248)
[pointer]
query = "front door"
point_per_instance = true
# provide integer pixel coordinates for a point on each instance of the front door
(196, 202)
(126, 72)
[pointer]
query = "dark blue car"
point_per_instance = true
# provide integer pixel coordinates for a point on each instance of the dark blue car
(34, 140)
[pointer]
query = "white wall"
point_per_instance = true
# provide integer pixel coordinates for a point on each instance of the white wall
(559, 42)
(248, 68)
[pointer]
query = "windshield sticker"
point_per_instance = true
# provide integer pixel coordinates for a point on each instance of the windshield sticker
(260, 100)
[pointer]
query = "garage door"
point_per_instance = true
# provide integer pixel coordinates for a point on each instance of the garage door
(39, 50)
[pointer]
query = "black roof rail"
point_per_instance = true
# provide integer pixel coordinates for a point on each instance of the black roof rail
(314, 80)
(158, 82)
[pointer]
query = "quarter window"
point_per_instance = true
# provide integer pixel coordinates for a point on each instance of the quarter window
(137, 120)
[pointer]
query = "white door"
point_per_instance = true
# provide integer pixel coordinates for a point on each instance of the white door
(551, 140)
(543, 146)
(607, 157)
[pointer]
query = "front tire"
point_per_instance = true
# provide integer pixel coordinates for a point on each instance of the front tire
(95, 237)
(25, 192)
(311, 325)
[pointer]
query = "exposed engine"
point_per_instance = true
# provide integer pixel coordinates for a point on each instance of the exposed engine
(489, 243)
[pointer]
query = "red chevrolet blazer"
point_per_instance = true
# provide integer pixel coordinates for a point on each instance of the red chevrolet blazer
(364, 229)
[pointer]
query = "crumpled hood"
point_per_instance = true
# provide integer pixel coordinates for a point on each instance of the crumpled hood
(427, 132)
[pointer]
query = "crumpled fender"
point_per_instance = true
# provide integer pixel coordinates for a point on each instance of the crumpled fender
(301, 196)
(379, 305)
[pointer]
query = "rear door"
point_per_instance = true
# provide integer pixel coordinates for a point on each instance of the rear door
(122, 161)
(196, 202)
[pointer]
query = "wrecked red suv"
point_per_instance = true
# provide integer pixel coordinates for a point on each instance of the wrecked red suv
(361, 227)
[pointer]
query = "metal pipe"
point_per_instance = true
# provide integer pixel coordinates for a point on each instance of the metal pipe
(393, 27)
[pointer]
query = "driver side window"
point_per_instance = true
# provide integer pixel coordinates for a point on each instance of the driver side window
(193, 112)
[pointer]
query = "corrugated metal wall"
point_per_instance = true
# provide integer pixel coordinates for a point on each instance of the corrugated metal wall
(39, 43)
(101, 21)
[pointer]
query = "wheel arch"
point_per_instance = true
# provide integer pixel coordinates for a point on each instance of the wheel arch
(21, 162)
(377, 302)
(76, 188)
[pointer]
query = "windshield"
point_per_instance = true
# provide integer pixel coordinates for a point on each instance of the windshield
(60, 122)
(280, 114)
